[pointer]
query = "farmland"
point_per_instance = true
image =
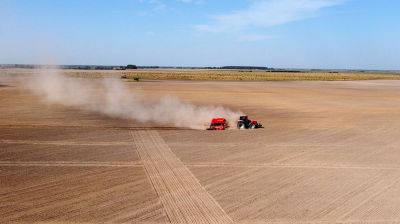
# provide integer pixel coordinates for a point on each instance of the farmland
(328, 154)
(223, 75)
(255, 75)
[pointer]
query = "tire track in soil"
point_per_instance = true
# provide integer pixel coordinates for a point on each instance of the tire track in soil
(69, 163)
(90, 127)
(184, 199)
(276, 165)
(63, 143)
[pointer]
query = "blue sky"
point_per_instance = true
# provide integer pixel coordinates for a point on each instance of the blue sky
(333, 34)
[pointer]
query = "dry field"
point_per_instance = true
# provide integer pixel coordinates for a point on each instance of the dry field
(329, 154)
(253, 75)
(227, 75)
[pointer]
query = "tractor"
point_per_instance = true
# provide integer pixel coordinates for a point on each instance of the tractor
(245, 123)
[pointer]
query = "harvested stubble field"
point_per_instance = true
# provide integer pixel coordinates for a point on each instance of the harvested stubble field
(225, 75)
(328, 154)
(253, 75)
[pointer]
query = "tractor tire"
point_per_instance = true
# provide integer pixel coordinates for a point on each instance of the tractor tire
(252, 126)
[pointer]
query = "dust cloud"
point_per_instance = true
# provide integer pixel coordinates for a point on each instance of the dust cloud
(110, 96)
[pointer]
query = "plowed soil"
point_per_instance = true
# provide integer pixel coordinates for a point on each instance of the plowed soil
(329, 153)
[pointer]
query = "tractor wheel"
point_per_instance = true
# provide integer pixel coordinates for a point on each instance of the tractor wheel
(242, 127)
(252, 126)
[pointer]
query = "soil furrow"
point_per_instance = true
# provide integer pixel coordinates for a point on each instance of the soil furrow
(183, 197)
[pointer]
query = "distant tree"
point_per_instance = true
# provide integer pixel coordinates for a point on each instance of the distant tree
(131, 67)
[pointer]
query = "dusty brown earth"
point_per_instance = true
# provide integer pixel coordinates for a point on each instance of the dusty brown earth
(329, 153)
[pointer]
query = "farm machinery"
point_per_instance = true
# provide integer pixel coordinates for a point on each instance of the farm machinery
(243, 123)
(218, 124)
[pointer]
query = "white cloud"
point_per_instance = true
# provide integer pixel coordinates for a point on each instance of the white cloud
(267, 13)
(157, 4)
(192, 1)
(254, 37)
(150, 33)
(160, 5)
